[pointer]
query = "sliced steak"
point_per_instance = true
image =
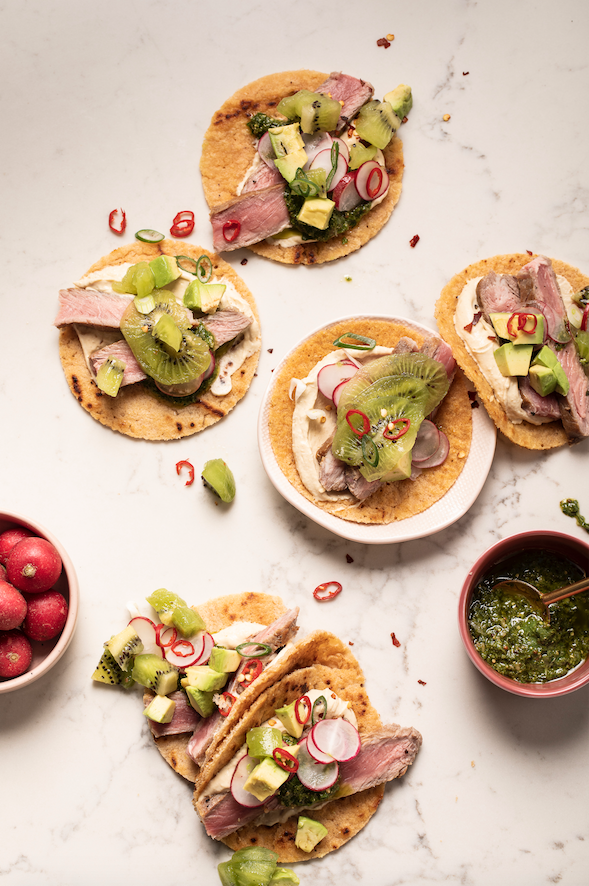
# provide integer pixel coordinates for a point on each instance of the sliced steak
(539, 288)
(358, 486)
(225, 325)
(258, 214)
(184, 720)
(498, 293)
(263, 177)
(574, 408)
(91, 308)
(535, 405)
(332, 473)
(119, 350)
(350, 92)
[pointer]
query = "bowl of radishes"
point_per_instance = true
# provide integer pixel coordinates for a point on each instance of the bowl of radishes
(38, 601)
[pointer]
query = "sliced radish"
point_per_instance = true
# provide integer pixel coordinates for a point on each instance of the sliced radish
(344, 151)
(372, 180)
(337, 738)
(207, 648)
(345, 195)
(240, 776)
(338, 392)
(333, 374)
(426, 442)
(266, 151)
(318, 141)
(318, 756)
(439, 456)
(145, 630)
(188, 652)
(315, 776)
(323, 161)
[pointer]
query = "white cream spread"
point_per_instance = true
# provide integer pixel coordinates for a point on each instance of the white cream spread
(481, 342)
(94, 338)
(314, 421)
(240, 631)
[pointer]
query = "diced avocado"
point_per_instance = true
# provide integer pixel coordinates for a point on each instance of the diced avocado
(545, 357)
(284, 876)
(286, 139)
(316, 211)
(166, 331)
(265, 779)
(500, 321)
(201, 701)
(513, 359)
(203, 297)
(287, 717)
(309, 833)
(165, 270)
(205, 678)
(225, 661)
(562, 382)
(160, 709)
(402, 470)
(261, 741)
(542, 379)
(400, 99)
(287, 166)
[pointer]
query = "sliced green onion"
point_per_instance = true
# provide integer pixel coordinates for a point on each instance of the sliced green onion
(186, 263)
(369, 451)
(204, 269)
(357, 343)
(144, 304)
(148, 235)
(334, 159)
(253, 650)
(319, 711)
(303, 185)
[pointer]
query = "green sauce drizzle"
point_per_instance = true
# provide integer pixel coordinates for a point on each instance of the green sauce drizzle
(570, 507)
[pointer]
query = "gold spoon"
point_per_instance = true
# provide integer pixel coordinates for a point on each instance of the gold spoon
(536, 598)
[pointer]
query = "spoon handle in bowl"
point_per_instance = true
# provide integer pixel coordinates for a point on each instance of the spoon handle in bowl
(569, 591)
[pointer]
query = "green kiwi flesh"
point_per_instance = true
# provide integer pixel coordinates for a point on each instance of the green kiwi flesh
(376, 123)
(124, 645)
(164, 364)
(108, 671)
(155, 673)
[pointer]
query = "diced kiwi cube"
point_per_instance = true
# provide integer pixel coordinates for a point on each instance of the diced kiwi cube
(110, 376)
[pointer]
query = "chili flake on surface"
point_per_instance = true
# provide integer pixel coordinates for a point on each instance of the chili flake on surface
(190, 467)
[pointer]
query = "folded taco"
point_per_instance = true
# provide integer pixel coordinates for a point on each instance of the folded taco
(517, 326)
(303, 167)
(306, 767)
(370, 420)
(158, 341)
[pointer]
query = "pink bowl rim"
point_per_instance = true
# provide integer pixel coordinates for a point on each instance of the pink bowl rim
(555, 688)
(74, 593)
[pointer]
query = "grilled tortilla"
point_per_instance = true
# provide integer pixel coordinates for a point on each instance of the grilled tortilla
(137, 411)
(545, 436)
(393, 501)
(229, 149)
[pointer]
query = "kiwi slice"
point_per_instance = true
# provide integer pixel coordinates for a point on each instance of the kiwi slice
(124, 645)
(376, 123)
(320, 114)
(164, 362)
(108, 671)
(219, 477)
(173, 610)
(290, 106)
(110, 376)
(155, 673)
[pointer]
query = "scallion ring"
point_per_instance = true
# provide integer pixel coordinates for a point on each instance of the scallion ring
(256, 650)
(369, 451)
(204, 269)
(148, 235)
(357, 343)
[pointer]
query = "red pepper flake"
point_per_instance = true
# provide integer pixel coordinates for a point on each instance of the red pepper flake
(226, 702)
(112, 223)
(382, 41)
(183, 224)
(350, 642)
(465, 73)
(231, 230)
(422, 682)
(529, 251)
(190, 467)
(270, 350)
(349, 559)
(243, 261)
(322, 594)
(414, 241)
(395, 641)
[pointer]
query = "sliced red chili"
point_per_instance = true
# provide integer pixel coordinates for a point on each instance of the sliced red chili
(285, 760)
(365, 422)
(183, 224)
(585, 319)
(112, 223)
(322, 593)
(373, 191)
(182, 648)
(522, 321)
(302, 709)
(161, 629)
(395, 432)
(225, 703)
(186, 464)
(251, 670)
(231, 230)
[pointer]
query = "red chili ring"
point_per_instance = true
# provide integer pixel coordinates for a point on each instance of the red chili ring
(365, 422)
(395, 435)
(230, 700)
(179, 643)
(186, 464)
(319, 594)
(231, 230)
(372, 192)
(159, 629)
(111, 219)
(285, 760)
(306, 702)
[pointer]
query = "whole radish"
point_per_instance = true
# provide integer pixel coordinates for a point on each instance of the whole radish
(46, 616)
(9, 538)
(13, 607)
(15, 654)
(33, 565)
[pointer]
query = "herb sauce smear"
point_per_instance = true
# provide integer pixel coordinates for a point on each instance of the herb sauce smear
(511, 635)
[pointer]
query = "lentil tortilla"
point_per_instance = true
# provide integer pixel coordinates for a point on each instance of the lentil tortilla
(136, 411)
(393, 501)
(229, 149)
(529, 436)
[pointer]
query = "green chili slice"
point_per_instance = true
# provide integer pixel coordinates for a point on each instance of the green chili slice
(334, 159)
(369, 451)
(355, 342)
(186, 263)
(319, 711)
(204, 269)
(148, 235)
(253, 650)
(303, 185)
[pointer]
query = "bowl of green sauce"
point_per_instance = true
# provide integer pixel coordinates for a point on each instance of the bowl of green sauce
(506, 637)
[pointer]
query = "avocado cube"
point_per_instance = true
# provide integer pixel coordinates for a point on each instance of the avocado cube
(309, 833)
(202, 702)
(265, 779)
(316, 211)
(562, 382)
(203, 297)
(513, 359)
(542, 379)
(287, 717)
(500, 321)
(545, 357)
(287, 166)
(160, 709)
(400, 100)
(205, 678)
(225, 661)
(286, 139)
(165, 270)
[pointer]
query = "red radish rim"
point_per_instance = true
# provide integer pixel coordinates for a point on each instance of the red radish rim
(337, 737)
(439, 456)
(240, 775)
(318, 756)
(147, 632)
(427, 442)
(328, 773)
(363, 178)
(332, 374)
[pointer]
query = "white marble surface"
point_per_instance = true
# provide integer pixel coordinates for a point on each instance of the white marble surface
(104, 105)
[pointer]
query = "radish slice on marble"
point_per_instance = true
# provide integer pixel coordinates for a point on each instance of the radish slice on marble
(426, 442)
(333, 374)
(338, 738)
(240, 776)
(145, 630)
(439, 456)
(315, 776)
(372, 180)
(345, 195)
(323, 161)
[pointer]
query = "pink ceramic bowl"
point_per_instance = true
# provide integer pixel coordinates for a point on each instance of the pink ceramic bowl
(545, 539)
(46, 654)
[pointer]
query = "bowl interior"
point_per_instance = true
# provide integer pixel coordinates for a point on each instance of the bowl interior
(567, 546)
(46, 654)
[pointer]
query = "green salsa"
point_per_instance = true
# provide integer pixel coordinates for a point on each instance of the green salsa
(510, 634)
